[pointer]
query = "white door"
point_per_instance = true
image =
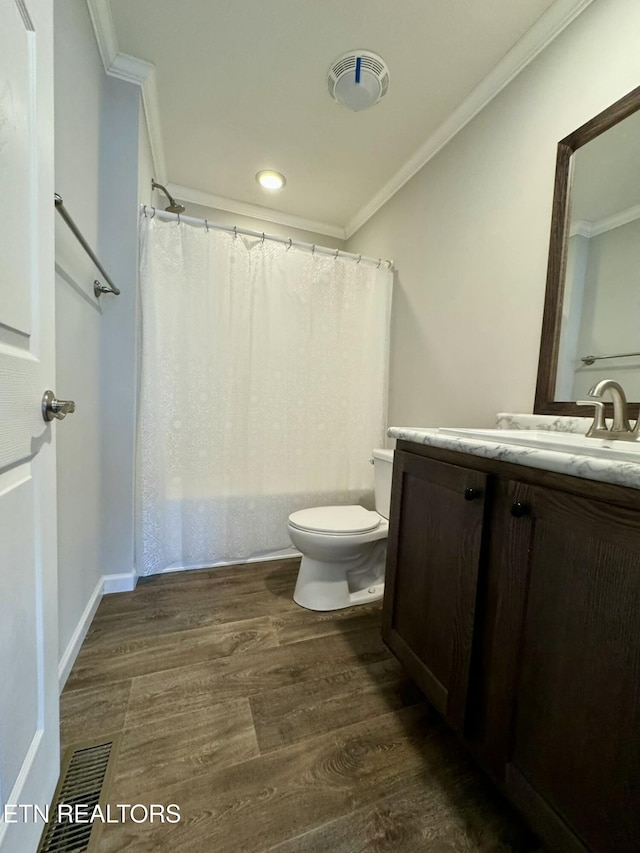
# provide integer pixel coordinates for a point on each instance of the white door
(29, 751)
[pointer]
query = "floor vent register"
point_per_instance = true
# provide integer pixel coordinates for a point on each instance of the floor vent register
(82, 783)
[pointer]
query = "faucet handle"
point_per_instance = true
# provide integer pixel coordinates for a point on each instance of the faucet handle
(599, 424)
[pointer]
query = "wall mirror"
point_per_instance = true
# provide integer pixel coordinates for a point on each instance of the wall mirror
(591, 325)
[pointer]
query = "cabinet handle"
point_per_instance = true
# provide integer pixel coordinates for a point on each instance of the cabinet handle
(472, 494)
(519, 509)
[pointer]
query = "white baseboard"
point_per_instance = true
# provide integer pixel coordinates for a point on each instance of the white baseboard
(125, 582)
(71, 652)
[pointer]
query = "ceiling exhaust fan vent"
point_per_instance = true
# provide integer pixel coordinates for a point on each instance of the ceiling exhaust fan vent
(358, 79)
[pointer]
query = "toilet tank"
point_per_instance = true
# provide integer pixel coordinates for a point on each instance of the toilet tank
(382, 469)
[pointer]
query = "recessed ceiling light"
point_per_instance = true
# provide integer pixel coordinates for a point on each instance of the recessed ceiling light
(270, 180)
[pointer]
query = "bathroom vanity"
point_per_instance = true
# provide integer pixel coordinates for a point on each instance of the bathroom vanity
(513, 600)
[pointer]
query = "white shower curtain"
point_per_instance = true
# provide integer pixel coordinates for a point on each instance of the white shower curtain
(263, 390)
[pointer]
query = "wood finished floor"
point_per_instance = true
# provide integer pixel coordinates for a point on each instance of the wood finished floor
(276, 730)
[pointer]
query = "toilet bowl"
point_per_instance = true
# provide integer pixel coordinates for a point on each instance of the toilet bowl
(343, 547)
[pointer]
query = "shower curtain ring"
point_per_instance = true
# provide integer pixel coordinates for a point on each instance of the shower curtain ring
(154, 213)
(263, 238)
(144, 211)
(206, 224)
(289, 246)
(335, 257)
(178, 219)
(359, 259)
(235, 232)
(313, 249)
(379, 262)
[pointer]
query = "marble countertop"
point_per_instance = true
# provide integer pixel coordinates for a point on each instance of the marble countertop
(562, 462)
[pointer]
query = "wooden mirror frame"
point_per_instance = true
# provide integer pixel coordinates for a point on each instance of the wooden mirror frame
(552, 318)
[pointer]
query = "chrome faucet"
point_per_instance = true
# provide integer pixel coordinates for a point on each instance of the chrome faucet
(620, 428)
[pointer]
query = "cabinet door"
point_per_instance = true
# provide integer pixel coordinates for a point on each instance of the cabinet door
(433, 556)
(500, 611)
(573, 762)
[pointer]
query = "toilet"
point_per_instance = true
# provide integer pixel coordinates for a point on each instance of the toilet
(344, 548)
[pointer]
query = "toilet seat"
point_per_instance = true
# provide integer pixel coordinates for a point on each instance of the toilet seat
(336, 520)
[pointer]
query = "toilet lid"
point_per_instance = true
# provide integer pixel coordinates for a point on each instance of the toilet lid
(335, 519)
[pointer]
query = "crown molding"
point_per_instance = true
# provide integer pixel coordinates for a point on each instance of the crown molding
(616, 220)
(544, 31)
(581, 228)
(133, 70)
(100, 13)
(585, 228)
(255, 211)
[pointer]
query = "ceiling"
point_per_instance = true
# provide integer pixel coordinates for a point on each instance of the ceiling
(240, 85)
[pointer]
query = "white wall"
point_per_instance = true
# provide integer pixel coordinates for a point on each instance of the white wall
(119, 249)
(470, 232)
(146, 168)
(96, 164)
(79, 96)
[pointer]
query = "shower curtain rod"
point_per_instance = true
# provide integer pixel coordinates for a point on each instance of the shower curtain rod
(233, 229)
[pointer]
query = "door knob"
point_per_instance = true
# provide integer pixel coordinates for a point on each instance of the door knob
(519, 510)
(472, 494)
(52, 408)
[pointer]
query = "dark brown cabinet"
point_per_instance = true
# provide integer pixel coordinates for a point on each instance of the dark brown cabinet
(513, 600)
(433, 597)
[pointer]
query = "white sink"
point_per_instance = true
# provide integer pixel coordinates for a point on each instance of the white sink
(564, 442)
